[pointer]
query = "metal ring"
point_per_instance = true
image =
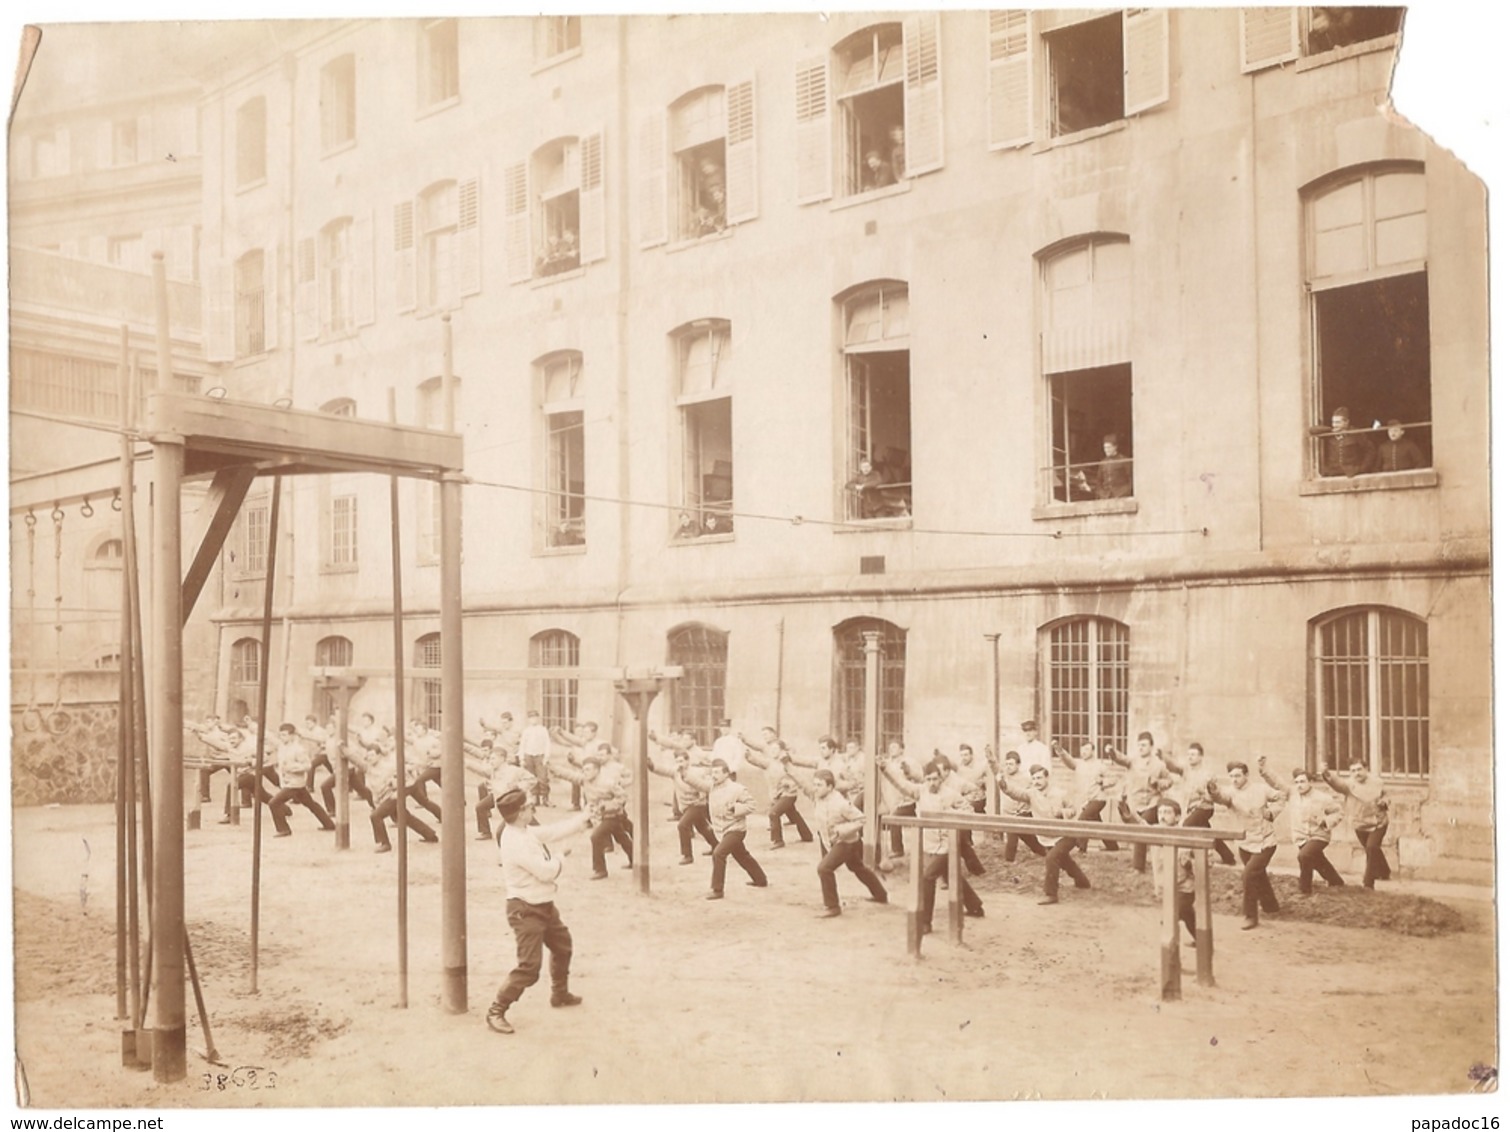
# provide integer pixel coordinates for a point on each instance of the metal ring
(57, 515)
(88, 509)
(31, 719)
(58, 721)
(31, 518)
(115, 503)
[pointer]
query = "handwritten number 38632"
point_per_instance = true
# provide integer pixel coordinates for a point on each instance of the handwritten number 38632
(250, 1077)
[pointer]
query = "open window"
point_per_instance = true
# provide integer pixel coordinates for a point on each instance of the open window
(439, 70)
(705, 406)
(437, 247)
(561, 516)
(698, 155)
(1370, 323)
(1085, 75)
(877, 97)
(1271, 36)
(338, 103)
(1087, 367)
(554, 209)
(878, 395)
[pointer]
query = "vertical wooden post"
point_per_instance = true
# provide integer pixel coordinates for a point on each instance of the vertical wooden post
(169, 1044)
(870, 740)
(956, 885)
(401, 782)
(123, 705)
(995, 639)
(341, 770)
(641, 704)
(1169, 923)
(1203, 938)
(258, 783)
(915, 888)
(453, 801)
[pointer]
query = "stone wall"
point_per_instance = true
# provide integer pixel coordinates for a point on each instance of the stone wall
(64, 756)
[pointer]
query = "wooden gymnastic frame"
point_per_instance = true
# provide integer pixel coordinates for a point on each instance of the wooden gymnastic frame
(233, 443)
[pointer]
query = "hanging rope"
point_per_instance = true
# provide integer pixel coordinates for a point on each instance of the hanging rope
(57, 719)
(31, 718)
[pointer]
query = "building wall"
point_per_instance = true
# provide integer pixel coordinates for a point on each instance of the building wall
(1233, 545)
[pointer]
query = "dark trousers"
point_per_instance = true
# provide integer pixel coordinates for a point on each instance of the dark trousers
(356, 783)
(1256, 887)
(1200, 818)
(250, 786)
(535, 764)
(1185, 907)
(611, 828)
(389, 809)
(787, 808)
(205, 774)
(1376, 866)
(1092, 811)
(484, 811)
(850, 855)
(422, 799)
(1140, 851)
(1312, 858)
(694, 819)
(906, 810)
(935, 869)
(537, 927)
(1027, 839)
(732, 844)
(1059, 858)
(301, 795)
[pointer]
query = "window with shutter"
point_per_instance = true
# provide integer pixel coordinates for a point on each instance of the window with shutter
(594, 201)
(560, 509)
(1145, 54)
(874, 86)
(1010, 75)
(923, 105)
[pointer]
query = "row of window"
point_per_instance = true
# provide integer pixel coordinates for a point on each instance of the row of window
(116, 142)
(868, 117)
(1368, 672)
(1371, 366)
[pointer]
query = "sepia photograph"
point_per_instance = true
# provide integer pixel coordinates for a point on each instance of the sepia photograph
(724, 558)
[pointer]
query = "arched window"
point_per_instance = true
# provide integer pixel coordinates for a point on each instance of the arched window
(340, 407)
(555, 699)
(704, 401)
(849, 679)
(878, 393)
(698, 154)
(1086, 317)
(555, 208)
(330, 652)
(697, 699)
(1370, 322)
(1085, 670)
(560, 511)
(245, 678)
(427, 703)
(109, 554)
(1371, 691)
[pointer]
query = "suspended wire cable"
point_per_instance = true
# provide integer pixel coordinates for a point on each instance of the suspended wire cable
(837, 524)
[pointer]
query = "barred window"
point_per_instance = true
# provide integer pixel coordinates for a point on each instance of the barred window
(330, 652)
(849, 679)
(1372, 692)
(697, 699)
(246, 661)
(427, 703)
(555, 699)
(254, 531)
(1087, 669)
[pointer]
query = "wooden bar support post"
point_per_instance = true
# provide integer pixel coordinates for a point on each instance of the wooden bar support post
(453, 800)
(1204, 940)
(1165, 862)
(995, 787)
(915, 894)
(956, 885)
(870, 745)
(169, 1039)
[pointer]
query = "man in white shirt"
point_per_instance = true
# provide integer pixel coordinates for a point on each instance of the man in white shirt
(530, 872)
(534, 748)
(729, 747)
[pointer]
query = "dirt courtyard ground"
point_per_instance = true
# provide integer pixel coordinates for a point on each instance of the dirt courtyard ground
(750, 999)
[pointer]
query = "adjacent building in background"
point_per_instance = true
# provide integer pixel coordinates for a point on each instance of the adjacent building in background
(773, 333)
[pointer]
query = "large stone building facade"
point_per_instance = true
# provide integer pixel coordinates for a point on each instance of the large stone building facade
(773, 332)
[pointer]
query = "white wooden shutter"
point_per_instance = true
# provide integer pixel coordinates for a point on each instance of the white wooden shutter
(310, 299)
(1010, 77)
(516, 223)
(219, 314)
(468, 237)
(742, 183)
(1145, 59)
(591, 204)
(405, 289)
(1269, 36)
(814, 137)
(923, 102)
(653, 179)
(363, 291)
(144, 150)
(272, 258)
(180, 254)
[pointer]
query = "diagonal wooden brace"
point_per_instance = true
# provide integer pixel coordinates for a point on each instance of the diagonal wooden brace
(216, 515)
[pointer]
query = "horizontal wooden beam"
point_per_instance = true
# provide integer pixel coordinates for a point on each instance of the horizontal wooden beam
(248, 431)
(1180, 836)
